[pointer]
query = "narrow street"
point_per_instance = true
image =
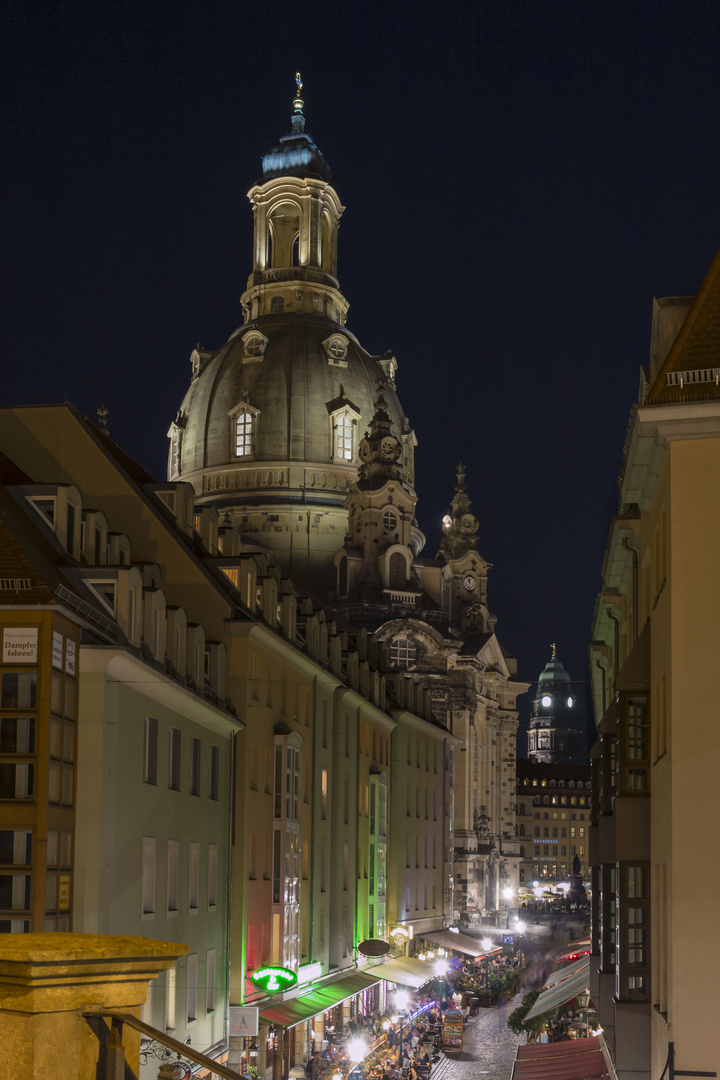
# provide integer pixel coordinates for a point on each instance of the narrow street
(489, 1045)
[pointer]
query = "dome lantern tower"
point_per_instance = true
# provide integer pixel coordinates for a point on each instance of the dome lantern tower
(297, 215)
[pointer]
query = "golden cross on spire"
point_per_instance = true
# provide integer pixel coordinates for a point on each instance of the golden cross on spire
(298, 102)
(554, 652)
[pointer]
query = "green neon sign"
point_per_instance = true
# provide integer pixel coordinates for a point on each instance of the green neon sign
(273, 980)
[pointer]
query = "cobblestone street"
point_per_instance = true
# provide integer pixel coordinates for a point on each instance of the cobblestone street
(488, 1047)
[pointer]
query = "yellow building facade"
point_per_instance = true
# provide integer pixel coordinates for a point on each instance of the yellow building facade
(656, 633)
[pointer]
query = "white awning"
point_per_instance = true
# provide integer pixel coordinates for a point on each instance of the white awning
(566, 972)
(460, 943)
(560, 993)
(405, 970)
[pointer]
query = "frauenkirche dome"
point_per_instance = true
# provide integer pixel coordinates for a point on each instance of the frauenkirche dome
(269, 429)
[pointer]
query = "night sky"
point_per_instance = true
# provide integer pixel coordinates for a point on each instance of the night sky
(520, 181)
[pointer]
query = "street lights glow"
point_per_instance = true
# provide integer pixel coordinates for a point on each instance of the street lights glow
(441, 967)
(486, 943)
(357, 1049)
(402, 999)
(520, 926)
(508, 894)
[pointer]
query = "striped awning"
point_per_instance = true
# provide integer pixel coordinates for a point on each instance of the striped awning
(460, 943)
(560, 993)
(289, 1013)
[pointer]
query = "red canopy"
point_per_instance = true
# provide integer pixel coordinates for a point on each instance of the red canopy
(581, 1059)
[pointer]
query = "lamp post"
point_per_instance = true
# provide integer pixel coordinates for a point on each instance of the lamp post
(507, 893)
(583, 1000)
(402, 1000)
(486, 944)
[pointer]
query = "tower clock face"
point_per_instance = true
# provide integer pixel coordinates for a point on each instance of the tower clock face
(364, 450)
(468, 522)
(469, 582)
(570, 701)
(447, 523)
(546, 700)
(388, 446)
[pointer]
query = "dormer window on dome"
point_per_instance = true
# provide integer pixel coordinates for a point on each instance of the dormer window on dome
(336, 348)
(244, 430)
(254, 345)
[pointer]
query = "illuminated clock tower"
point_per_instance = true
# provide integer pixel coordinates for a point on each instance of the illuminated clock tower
(556, 732)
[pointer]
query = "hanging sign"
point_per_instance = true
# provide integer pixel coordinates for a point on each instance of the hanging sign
(274, 980)
(244, 1020)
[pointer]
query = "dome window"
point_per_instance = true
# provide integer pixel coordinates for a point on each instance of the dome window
(344, 436)
(402, 652)
(277, 304)
(254, 346)
(244, 429)
(336, 348)
(390, 520)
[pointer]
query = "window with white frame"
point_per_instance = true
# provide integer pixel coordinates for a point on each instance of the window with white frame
(244, 432)
(344, 425)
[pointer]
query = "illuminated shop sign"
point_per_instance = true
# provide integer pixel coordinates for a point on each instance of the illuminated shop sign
(274, 980)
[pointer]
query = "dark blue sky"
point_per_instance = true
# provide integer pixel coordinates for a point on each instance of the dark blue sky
(520, 180)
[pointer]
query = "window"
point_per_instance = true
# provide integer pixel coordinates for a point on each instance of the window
(191, 996)
(277, 304)
(16, 847)
(337, 349)
(254, 345)
(637, 745)
(148, 877)
(397, 571)
(402, 651)
(389, 520)
(344, 437)
(17, 735)
(193, 878)
(195, 767)
(174, 760)
(210, 981)
(150, 751)
(213, 787)
(173, 876)
(170, 979)
(18, 691)
(212, 878)
(244, 432)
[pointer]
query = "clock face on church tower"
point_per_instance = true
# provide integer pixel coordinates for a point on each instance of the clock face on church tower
(469, 582)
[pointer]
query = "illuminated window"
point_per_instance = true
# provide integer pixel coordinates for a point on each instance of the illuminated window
(402, 652)
(244, 433)
(344, 437)
(254, 345)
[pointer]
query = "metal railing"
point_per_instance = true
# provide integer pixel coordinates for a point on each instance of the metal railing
(115, 1050)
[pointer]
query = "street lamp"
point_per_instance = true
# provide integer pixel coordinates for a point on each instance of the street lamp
(583, 1000)
(402, 1000)
(487, 945)
(507, 893)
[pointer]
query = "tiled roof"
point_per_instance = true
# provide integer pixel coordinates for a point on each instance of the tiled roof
(19, 582)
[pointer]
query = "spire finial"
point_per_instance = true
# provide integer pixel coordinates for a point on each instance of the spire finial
(554, 652)
(460, 477)
(298, 102)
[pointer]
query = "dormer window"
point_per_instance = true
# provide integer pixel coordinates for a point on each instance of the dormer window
(244, 430)
(254, 345)
(244, 420)
(344, 437)
(336, 348)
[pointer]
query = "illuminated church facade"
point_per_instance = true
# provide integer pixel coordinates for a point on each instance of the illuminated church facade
(295, 434)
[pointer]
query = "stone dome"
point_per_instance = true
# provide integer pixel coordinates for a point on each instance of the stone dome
(295, 390)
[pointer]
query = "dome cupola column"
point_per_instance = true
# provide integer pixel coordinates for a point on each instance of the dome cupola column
(297, 215)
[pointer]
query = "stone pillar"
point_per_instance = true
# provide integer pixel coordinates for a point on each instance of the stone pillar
(47, 982)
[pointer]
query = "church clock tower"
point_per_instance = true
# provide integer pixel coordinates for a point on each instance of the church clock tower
(556, 733)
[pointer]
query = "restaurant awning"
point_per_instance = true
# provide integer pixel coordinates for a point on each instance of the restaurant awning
(560, 992)
(460, 943)
(289, 1013)
(575, 949)
(405, 970)
(582, 1059)
(564, 973)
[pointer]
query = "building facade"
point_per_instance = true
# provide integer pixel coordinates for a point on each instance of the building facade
(656, 631)
(553, 821)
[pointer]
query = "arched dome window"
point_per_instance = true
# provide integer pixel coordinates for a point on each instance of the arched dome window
(398, 571)
(402, 651)
(244, 421)
(344, 449)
